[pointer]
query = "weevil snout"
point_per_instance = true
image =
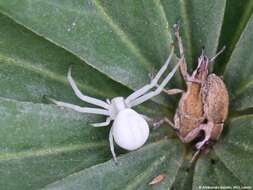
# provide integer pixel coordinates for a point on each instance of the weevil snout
(203, 62)
(201, 71)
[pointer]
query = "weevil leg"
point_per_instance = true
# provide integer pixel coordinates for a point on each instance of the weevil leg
(112, 146)
(167, 120)
(183, 66)
(158, 124)
(220, 125)
(183, 69)
(152, 84)
(208, 130)
(164, 120)
(83, 97)
(190, 79)
(151, 121)
(80, 109)
(192, 135)
(179, 40)
(194, 157)
(173, 91)
(103, 124)
(159, 89)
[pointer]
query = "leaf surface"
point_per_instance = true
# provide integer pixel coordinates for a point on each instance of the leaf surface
(43, 143)
(37, 149)
(113, 47)
(235, 149)
(38, 68)
(238, 73)
(200, 22)
(134, 170)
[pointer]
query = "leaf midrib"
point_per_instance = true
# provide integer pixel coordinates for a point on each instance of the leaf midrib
(49, 151)
(238, 34)
(82, 59)
(42, 71)
(123, 36)
(147, 171)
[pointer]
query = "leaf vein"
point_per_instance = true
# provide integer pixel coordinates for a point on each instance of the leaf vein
(49, 151)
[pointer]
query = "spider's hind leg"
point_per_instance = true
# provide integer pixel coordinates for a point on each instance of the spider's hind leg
(112, 146)
(103, 124)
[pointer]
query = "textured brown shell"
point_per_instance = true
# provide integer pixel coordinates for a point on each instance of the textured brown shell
(215, 98)
(189, 113)
(216, 103)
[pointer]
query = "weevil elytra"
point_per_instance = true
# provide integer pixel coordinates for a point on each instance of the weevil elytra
(204, 105)
(130, 129)
(216, 102)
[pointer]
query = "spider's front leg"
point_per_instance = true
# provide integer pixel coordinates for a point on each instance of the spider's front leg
(152, 84)
(83, 97)
(77, 108)
(167, 91)
(159, 89)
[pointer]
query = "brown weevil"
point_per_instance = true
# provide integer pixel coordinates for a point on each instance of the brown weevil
(204, 105)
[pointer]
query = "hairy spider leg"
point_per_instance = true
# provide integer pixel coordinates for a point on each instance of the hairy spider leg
(157, 91)
(81, 109)
(112, 146)
(103, 124)
(83, 97)
(153, 83)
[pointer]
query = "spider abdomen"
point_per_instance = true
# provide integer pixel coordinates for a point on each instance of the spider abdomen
(130, 130)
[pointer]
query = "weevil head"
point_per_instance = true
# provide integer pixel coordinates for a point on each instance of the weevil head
(130, 130)
(201, 71)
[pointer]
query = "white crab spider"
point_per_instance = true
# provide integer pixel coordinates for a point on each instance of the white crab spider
(130, 129)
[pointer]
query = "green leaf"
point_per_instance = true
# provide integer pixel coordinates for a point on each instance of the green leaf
(113, 46)
(184, 178)
(237, 15)
(235, 149)
(117, 40)
(134, 170)
(200, 22)
(231, 162)
(32, 67)
(213, 173)
(37, 68)
(37, 149)
(88, 31)
(109, 35)
(42, 143)
(238, 73)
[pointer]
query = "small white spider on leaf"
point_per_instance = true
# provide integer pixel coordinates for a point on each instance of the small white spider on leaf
(130, 129)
